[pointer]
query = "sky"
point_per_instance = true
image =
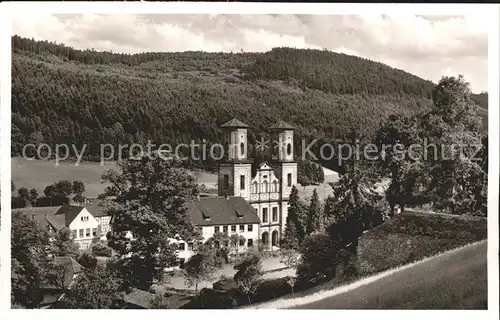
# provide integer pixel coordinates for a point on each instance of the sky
(427, 46)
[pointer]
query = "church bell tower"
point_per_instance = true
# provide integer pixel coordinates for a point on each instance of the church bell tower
(235, 171)
(283, 162)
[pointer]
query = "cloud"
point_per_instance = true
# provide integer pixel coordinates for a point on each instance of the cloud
(428, 46)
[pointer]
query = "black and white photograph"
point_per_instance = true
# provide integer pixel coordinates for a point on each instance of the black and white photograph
(252, 161)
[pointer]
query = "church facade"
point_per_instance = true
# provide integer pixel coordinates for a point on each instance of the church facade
(269, 188)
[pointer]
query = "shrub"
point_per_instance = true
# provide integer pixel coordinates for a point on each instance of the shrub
(271, 289)
(102, 250)
(87, 260)
(213, 299)
(319, 259)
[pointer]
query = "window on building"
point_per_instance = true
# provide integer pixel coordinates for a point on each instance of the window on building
(275, 186)
(181, 246)
(87, 232)
(226, 182)
(81, 233)
(250, 228)
(289, 179)
(264, 187)
(242, 242)
(190, 246)
(242, 228)
(74, 233)
(242, 149)
(250, 243)
(224, 229)
(254, 187)
(242, 182)
(216, 229)
(264, 215)
(94, 232)
(275, 214)
(289, 149)
(233, 229)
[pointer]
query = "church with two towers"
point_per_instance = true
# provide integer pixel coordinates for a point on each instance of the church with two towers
(269, 189)
(252, 206)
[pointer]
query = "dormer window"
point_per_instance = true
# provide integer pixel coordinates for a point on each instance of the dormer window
(238, 214)
(206, 217)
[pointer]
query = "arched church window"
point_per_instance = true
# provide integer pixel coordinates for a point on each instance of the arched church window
(254, 187)
(264, 187)
(275, 186)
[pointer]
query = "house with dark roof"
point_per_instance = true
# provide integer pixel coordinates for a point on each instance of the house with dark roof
(59, 280)
(84, 226)
(230, 215)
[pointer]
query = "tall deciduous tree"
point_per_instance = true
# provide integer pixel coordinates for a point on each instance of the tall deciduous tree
(443, 170)
(96, 288)
(29, 246)
(150, 196)
(249, 271)
(200, 267)
(63, 244)
(319, 258)
(78, 187)
(357, 207)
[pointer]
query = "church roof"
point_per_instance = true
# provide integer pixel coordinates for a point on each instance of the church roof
(281, 125)
(235, 123)
(221, 211)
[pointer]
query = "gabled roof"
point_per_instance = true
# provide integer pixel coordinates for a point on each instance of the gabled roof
(96, 208)
(221, 211)
(235, 123)
(44, 216)
(70, 268)
(70, 212)
(281, 125)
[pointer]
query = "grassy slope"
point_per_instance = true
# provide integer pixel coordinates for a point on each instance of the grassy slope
(454, 280)
(412, 236)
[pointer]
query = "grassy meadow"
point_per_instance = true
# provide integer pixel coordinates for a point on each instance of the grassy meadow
(453, 280)
(39, 173)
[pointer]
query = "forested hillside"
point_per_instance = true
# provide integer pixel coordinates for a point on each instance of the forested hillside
(63, 95)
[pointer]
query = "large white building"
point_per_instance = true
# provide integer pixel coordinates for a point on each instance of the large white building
(229, 215)
(269, 189)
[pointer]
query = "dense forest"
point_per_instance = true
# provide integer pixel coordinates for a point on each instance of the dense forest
(85, 97)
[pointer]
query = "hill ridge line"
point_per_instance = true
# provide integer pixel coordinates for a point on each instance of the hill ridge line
(295, 302)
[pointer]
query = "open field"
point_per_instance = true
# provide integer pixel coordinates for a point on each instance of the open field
(453, 280)
(39, 173)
